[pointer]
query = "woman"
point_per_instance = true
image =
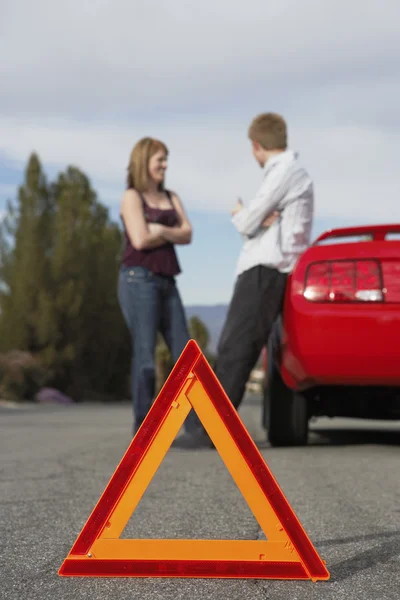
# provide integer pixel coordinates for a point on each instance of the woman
(154, 221)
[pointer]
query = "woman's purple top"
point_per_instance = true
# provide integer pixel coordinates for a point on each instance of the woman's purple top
(161, 260)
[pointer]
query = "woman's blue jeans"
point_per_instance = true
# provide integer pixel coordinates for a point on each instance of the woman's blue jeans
(151, 303)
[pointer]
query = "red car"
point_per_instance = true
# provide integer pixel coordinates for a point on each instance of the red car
(336, 349)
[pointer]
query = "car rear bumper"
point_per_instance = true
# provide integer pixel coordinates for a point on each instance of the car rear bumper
(354, 345)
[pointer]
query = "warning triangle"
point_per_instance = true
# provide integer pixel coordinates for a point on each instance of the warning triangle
(99, 551)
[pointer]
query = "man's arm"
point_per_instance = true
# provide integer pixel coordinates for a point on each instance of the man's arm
(248, 220)
(297, 220)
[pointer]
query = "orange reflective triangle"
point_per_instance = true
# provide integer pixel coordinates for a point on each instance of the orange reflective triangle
(286, 554)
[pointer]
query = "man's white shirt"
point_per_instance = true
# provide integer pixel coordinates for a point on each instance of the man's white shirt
(288, 189)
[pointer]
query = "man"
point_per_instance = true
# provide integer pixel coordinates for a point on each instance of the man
(276, 228)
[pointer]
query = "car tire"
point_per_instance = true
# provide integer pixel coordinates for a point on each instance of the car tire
(285, 413)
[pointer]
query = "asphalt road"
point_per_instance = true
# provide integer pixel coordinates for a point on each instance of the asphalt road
(56, 461)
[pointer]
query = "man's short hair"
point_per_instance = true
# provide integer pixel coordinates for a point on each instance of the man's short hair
(270, 131)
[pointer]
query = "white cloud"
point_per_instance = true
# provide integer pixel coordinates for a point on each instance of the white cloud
(82, 81)
(355, 168)
(118, 55)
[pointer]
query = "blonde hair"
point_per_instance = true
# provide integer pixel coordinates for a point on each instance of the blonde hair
(138, 168)
(270, 131)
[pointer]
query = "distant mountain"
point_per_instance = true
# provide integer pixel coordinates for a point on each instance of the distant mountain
(213, 318)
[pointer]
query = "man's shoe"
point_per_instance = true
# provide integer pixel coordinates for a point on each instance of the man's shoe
(192, 441)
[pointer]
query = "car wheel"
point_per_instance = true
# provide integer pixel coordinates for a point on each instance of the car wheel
(285, 413)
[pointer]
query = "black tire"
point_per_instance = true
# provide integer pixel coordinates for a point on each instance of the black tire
(285, 413)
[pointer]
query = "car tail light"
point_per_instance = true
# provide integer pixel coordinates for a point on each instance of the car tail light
(344, 281)
(391, 280)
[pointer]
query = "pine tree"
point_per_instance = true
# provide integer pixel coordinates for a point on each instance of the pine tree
(24, 269)
(199, 332)
(164, 363)
(58, 285)
(81, 325)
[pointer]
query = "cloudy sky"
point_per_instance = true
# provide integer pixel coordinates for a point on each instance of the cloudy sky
(82, 81)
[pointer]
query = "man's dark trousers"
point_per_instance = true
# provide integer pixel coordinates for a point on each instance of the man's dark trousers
(256, 303)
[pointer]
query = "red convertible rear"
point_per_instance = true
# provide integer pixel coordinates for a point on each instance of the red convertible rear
(336, 350)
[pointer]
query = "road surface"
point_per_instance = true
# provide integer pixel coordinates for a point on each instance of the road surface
(56, 461)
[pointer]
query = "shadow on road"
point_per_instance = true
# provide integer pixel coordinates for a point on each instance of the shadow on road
(387, 549)
(343, 437)
(353, 437)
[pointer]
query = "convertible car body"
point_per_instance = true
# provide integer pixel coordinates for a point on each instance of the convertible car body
(336, 349)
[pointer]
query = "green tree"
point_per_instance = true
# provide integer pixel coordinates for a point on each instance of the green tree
(81, 325)
(199, 332)
(164, 364)
(58, 280)
(24, 261)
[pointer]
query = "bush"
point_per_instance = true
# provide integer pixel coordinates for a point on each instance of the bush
(21, 376)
